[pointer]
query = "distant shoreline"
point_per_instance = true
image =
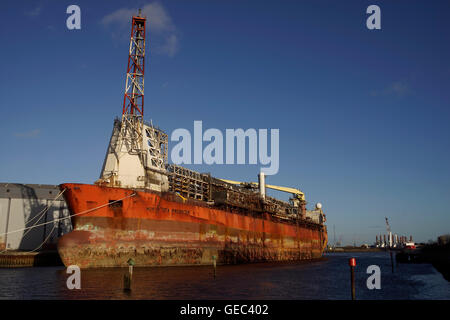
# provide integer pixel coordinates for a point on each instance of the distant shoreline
(354, 249)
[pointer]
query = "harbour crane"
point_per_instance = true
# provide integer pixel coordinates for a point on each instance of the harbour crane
(388, 228)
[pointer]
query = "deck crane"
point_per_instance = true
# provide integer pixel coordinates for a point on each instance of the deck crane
(298, 197)
(295, 192)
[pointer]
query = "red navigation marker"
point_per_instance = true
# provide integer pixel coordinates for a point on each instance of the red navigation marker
(352, 264)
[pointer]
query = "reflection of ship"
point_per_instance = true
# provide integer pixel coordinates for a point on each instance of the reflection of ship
(160, 214)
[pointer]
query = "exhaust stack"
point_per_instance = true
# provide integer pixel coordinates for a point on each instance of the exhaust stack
(262, 185)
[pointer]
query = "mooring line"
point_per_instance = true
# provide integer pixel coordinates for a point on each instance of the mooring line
(70, 216)
(45, 240)
(43, 212)
(40, 215)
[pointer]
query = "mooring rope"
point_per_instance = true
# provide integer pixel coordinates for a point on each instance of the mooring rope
(40, 215)
(70, 216)
(43, 212)
(45, 240)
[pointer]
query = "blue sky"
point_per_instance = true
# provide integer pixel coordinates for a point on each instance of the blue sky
(363, 114)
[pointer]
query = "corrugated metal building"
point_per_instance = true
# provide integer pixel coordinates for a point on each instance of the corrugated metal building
(26, 205)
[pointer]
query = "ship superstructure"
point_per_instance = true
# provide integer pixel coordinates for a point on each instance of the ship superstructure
(137, 152)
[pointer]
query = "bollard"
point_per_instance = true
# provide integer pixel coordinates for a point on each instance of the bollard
(352, 264)
(126, 282)
(130, 270)
(214, 264)
(128, 277)
(392, 261)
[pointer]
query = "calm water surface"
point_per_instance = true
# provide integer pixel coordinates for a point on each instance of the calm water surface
(324, 279)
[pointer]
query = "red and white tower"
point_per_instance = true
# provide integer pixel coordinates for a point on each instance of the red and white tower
(133, 100)
(137, 152)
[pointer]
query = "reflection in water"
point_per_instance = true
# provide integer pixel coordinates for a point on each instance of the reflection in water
(327, 278)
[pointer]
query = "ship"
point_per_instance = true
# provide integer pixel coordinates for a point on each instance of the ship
(147, 212)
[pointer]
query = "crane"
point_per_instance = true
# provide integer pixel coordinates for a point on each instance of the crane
(388, 228)
(298, 197)
(295, 192)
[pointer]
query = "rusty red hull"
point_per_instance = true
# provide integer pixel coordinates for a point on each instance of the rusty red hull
(157, 229)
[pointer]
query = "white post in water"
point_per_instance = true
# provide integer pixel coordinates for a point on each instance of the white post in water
(262, 185)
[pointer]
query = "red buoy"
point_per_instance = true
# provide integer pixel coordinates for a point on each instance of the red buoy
(352, 262)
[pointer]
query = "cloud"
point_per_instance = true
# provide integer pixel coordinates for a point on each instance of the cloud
(158, 20)
(398, 88)
(170, 47)
(28, 134)
(35, 12)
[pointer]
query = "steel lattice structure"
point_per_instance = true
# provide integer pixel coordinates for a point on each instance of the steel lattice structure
(133, 101)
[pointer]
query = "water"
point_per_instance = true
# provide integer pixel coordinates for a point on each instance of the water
(328, 278)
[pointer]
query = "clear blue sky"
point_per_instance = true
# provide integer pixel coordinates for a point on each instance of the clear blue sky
(363, 114)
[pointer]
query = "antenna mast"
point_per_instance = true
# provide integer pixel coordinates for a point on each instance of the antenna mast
(133, 100)
(334, 231)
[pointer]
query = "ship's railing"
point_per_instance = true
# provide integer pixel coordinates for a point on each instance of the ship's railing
(188, 183)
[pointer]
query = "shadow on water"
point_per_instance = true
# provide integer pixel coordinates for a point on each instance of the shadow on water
(328, 278)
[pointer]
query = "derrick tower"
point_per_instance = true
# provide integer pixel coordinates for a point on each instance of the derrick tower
(137, 152)
(133, 100)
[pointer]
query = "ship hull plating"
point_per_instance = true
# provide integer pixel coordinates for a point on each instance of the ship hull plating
(157, 229)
